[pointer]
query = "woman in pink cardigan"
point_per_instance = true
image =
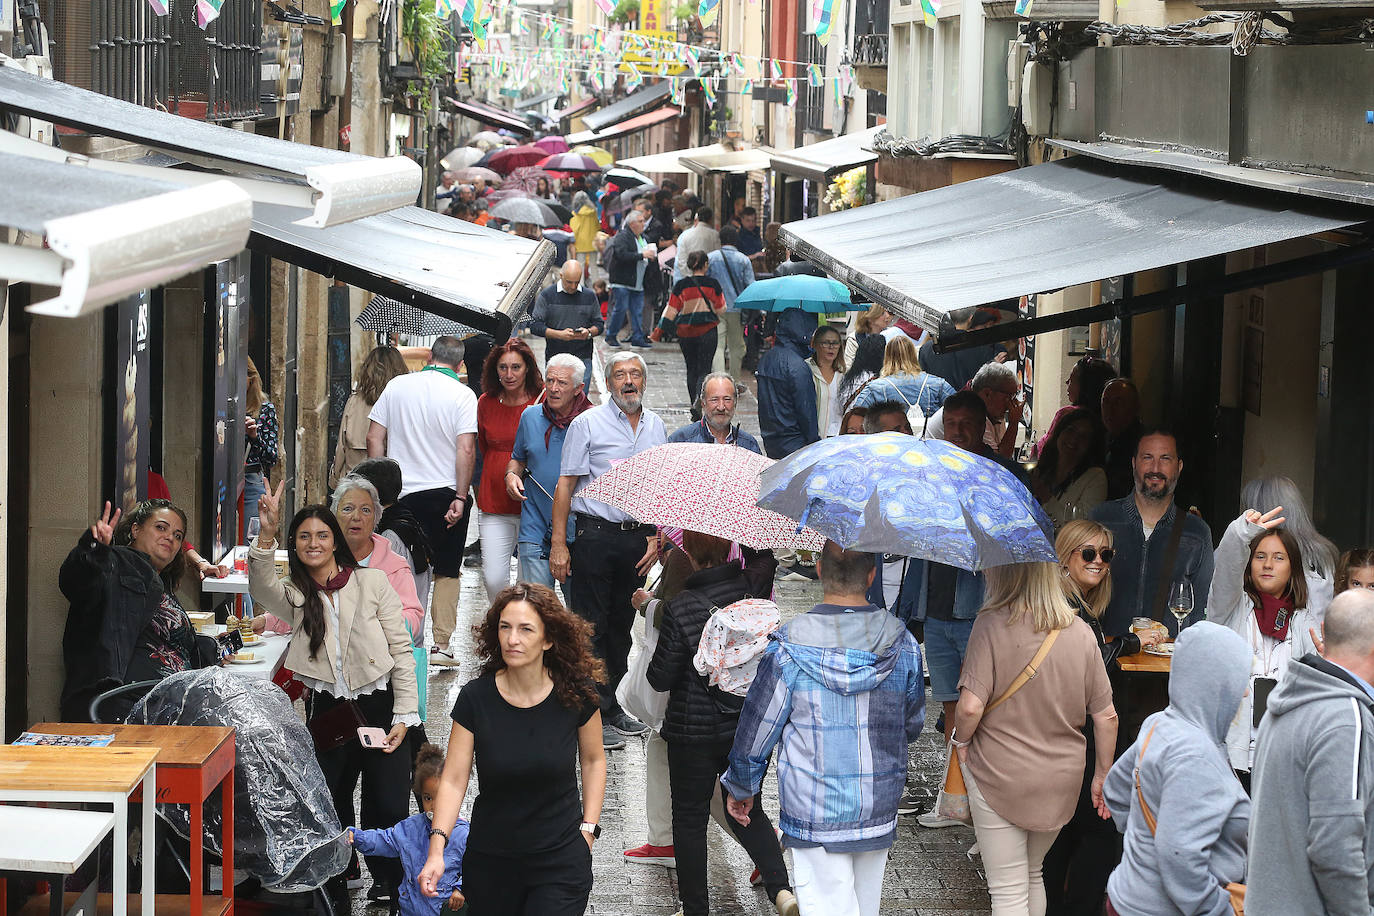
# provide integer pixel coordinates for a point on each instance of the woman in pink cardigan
(357, 507)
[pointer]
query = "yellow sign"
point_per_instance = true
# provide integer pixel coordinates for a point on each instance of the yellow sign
(654, 25)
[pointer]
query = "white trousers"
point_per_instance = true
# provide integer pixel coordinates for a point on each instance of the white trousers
(1013, 857)
(498, 533)
(838, 883)
(658, 794)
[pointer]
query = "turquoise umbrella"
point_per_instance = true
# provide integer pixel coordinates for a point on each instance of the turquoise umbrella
(925, 498)
(797, 291)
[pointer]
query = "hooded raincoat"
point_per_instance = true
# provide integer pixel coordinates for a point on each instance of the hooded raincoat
(787, 394)
(1200, 809)
(840, 690)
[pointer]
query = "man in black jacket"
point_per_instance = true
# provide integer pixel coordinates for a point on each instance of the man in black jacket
(628, 256)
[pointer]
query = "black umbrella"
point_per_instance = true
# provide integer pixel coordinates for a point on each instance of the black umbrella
(388, 316)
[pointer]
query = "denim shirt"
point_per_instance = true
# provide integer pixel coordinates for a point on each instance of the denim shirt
(911, 601)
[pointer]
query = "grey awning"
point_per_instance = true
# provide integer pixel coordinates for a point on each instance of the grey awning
(636, 103)
(99, 237)
(492, 116)
(734, 162)
(821, 160)
(536, 100)
(1043, 228)
(445, 266)
(334, 186)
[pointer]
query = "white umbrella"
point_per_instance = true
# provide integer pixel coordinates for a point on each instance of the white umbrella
(462, 157)
(525, 210)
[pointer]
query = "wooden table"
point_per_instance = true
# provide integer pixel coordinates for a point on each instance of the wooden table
(1145, 663)
(101, 775)
(192, 763)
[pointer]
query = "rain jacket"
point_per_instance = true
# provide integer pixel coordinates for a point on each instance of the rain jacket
(1313, 827)
(409, 842)
(584, 230)
(914, 596)
(787, 395)
(840, 690)
(1201, 811)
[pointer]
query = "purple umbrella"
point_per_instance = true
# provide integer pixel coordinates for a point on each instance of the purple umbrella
(552, 144)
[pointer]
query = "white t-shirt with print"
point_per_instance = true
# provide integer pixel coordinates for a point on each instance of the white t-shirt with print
(424, 414)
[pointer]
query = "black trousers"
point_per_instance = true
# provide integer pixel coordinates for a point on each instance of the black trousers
(698, 353)
(694, 771)
(555, 883)
(603, 579)
(386, 778)
(445, 543)
(1078, 864)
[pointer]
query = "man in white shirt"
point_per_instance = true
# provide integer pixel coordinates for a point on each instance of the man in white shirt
(702, 236)
(427, 422)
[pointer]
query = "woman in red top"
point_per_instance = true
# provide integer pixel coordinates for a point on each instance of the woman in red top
(511, 382)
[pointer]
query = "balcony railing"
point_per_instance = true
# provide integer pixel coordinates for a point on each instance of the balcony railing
(120, 48)
(870, 50)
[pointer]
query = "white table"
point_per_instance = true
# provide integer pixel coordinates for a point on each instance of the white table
(99, 775)
(236, 583)
(269, 652)
(52, 843)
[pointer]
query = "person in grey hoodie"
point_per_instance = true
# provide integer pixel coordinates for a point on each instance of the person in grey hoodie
(1312, 834)
(1201, 812)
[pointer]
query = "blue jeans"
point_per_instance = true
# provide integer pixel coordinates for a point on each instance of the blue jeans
(534, 564)
(946, 643)
(623, 300)
(587, 376)
(253, 487)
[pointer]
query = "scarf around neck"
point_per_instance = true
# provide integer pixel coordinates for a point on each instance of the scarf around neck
(338, 580)
(1273, 616)
(581, 404)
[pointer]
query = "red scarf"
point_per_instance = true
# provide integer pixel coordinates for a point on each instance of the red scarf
(557, 422)
(338, 580)
(1273, 616)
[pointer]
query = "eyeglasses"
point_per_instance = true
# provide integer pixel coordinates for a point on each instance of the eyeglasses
(828, 343)
(1090, 554)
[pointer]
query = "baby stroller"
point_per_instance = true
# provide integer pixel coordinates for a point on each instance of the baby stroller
(287, 837)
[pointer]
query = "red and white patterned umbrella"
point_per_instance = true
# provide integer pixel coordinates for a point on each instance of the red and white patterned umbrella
(701, 487)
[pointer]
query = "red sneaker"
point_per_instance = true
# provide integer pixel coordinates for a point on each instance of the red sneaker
(652, 855)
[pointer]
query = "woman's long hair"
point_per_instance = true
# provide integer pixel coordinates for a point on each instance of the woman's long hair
(1028, 588)
(570, 662)
(1297, 582)
(1093, 375)
(312, 612)
(1071, 538)
(491, 378)
(868, 362)
(1047, 468)
(1264, 494)
(379, 367)
(823, 331)
(255, 396)
(900, 357)
(124, 536)
(865, 323)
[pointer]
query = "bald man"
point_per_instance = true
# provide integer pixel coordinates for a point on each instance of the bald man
(568, 316)
(1312, 817)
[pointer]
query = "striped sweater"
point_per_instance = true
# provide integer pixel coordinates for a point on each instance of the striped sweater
(694, 307)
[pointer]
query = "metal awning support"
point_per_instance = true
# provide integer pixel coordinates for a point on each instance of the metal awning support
(333, 187)
(105, 236)
(954, 339)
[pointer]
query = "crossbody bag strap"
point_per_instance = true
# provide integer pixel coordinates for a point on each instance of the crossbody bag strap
(1144, 808)
(1166, 571)
(1027, 672)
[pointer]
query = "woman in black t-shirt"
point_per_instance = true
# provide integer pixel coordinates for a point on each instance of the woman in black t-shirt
(527, 721)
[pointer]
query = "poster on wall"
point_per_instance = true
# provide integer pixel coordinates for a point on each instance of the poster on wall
(132, 431)
(1025, 360)
(1113, 290)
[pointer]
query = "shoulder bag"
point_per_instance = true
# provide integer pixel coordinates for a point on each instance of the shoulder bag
(953, 800)
(1237, 891)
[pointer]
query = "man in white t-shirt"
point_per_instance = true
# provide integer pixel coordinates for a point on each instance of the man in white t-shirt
(427, 422)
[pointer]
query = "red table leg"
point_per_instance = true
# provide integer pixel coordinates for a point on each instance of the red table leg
(227, 837)
(197, 855)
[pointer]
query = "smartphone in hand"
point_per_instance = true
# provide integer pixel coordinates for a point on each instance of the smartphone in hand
(371, 737)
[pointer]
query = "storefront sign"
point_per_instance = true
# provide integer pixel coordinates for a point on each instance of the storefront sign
(131, 428)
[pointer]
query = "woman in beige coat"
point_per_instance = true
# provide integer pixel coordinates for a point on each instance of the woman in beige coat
(349, 645)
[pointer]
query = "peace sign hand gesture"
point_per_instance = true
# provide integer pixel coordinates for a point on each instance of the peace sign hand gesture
(103, 529)
(269, 512)
(1268, 521)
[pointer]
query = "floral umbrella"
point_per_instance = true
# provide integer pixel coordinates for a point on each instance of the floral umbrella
(526, 178)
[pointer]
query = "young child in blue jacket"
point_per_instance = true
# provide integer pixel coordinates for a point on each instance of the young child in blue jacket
(409, 841)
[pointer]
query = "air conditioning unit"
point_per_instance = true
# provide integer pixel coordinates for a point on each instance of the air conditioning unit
(1018, 54)
(1037, 86)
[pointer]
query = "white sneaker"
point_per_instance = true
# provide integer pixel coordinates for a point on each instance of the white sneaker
(786, 903)
(933, 820)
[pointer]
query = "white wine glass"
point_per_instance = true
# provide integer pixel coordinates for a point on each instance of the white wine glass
(1181, 601)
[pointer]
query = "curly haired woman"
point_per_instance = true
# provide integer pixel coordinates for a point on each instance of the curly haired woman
(528, 720)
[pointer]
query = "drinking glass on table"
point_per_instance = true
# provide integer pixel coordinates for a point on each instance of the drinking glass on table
(1181, 601)
(252, 529)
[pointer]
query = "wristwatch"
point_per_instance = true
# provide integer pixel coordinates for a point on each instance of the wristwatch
(593, 829)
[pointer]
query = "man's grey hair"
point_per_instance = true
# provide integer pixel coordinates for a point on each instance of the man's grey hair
(1350, 623)
(566, 361)
(873, 420)
(994, 375)
(446, 351)
(718, 377)
(356, 482)
(634, 216)
(844, 572)
(623, 356)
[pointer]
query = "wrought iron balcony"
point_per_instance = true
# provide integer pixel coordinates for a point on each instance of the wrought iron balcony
(870, 50)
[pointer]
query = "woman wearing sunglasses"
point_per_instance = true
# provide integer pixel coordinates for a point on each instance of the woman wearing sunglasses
(1089, 847)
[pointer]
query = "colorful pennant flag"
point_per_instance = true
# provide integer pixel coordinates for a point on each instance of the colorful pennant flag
(207, 11)
(1023, 7)
(747, 88)
(693, 60)
(707, 11)
(814, 75)
(606, 6)
(675, 93)
(737, 62)
(444, 8)
(708, 92)
(791, 93)
(547, 32)
(930, 10)
(825, 22)
(517, 26)
(159, 7)
(775, 69)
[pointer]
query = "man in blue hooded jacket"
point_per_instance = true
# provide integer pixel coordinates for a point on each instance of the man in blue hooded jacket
(787, 393)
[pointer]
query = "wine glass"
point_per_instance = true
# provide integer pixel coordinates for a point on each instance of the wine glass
(1181, 601)
(252, 529)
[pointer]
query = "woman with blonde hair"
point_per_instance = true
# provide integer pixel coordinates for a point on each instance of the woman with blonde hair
(873, 321)
(379, 367)
(1011, 731)
(1089, 847)
(902, 379)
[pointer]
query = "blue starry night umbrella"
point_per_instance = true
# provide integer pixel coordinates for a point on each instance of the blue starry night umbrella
(925, 498)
